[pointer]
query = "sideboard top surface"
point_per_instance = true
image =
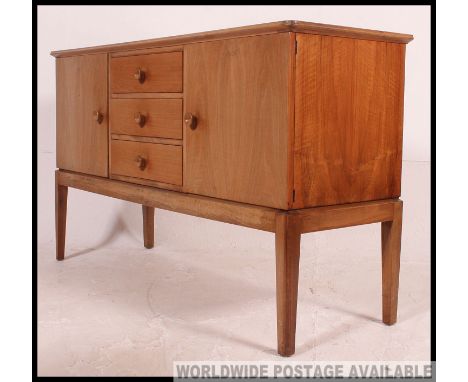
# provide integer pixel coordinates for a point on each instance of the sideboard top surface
(250, 30)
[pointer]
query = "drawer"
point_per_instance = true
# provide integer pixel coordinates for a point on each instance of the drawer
(159, 72)
(160, 118)
(153, 161)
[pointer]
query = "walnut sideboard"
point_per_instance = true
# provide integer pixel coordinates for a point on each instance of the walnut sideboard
(288, 127)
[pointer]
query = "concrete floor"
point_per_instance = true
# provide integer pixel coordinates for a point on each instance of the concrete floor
(207, 292)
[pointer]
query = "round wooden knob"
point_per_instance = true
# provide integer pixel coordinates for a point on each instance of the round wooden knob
(190, 120)
(140, 119)
(140, 75)
(141, 162)
(98, 117)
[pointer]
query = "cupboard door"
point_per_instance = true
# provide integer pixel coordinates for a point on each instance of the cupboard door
(238, 91)
(82, 118)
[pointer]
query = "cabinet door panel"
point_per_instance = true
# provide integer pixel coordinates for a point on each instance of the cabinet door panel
(82, 141)
(238, 90)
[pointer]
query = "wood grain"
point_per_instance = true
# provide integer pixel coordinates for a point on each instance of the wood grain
(82, 142)
(146, 182)
(345, 215)
(163, 73)
(349, 32)
(163, 117)
(349, 117)
(246, 215)
(163, 162)
(238, 90)
(287, 243)
(147, 95)
(135, 138)
(391, 247)
(61, 194)
(244, 31)
(291, 118)
(148, 226)
(148, 51)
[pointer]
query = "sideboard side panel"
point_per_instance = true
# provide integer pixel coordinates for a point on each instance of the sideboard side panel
(238, 90)
(348, 120)
(82, 142)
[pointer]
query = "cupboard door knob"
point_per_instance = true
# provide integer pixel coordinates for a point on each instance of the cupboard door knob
(140, 75)
(190, 120)
(140, 119)
(98, 117)
(141, 162)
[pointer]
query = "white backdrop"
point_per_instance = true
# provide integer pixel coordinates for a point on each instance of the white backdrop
(95, 220)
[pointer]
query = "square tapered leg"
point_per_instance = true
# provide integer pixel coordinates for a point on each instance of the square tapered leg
(148, 226)
(61, 195)
(391, 246)
(287, 241)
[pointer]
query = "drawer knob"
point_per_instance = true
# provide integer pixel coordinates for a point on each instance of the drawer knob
(190, 120)
(140, 75)
(98, 117)
(141, 162)
(140, 119)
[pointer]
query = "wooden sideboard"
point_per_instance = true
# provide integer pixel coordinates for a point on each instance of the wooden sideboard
(289, 127)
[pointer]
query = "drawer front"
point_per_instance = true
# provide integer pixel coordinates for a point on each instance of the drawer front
(159, 72)
(157, 162)
(161, 118)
